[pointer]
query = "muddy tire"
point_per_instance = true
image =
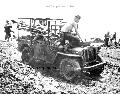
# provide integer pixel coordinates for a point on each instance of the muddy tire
(67, 68)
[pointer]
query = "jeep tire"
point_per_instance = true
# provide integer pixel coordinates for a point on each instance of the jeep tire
(67, 68)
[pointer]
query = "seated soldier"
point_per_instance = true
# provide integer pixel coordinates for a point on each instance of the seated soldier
(67, 33)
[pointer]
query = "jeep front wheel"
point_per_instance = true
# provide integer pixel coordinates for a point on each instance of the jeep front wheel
(68, 68)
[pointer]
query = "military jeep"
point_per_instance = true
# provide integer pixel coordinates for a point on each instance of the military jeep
(70, 62)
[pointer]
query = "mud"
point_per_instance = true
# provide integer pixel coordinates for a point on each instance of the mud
(19, 78)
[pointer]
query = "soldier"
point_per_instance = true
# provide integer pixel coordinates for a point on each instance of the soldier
(39, 37)
(107, 39)
(67, 32)
(7, 30)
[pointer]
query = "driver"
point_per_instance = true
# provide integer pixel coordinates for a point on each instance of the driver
(67, 32)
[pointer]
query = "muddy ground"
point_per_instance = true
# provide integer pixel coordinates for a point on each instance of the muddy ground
(19, 78)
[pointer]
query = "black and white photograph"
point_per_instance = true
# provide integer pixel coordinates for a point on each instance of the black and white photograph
(59, 47)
